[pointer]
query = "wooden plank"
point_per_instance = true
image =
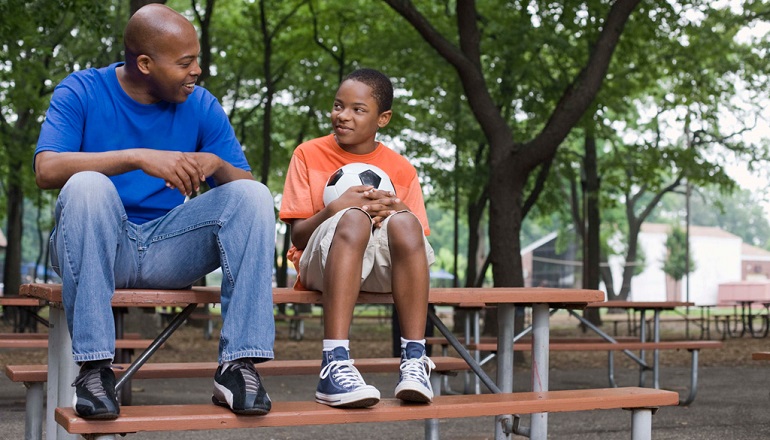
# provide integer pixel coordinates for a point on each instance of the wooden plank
(440, 340)
(607, 346)
(43, 343)
(45, 336)
(572, 298)
(205, 417)
(660, 305)
(186, 370)
(761, 356)
(18, 301)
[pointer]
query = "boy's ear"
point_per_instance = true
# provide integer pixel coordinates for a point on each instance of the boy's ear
(384, 118)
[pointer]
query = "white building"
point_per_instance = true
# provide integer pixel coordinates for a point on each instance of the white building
(716, 255)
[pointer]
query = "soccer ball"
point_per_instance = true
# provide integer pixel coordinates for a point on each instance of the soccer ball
(354, 174)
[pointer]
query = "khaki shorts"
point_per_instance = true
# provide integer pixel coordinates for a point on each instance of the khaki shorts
(375, 272)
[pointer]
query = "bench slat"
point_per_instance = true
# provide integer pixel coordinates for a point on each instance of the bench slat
(43, 343)
(205, 417)
(569, 298)
(606, 346)
(761, 355)
(18, 301)
(185, 370)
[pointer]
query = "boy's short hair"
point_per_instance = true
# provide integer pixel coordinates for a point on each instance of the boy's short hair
(382, 88)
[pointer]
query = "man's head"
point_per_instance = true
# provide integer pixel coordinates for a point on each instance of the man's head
(161, 54)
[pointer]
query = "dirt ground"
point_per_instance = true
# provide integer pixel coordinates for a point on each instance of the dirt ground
(371, 337)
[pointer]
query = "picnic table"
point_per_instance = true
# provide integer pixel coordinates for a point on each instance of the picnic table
(62, 370)
(642, 307)
(745, 320)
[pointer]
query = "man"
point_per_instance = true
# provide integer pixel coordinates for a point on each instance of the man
(127, 144)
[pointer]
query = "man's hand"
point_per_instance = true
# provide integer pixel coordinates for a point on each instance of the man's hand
(182, 171)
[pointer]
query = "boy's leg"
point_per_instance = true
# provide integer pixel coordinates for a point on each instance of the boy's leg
(342, 272)
(410, 278)
(410, 283)
(333, 262)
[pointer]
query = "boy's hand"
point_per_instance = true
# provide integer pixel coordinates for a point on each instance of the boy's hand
(382, 204)
(353, 197)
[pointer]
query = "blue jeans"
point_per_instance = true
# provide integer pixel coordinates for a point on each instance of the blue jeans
(95, 249)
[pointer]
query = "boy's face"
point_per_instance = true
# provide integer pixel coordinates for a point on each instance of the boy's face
(356, 117)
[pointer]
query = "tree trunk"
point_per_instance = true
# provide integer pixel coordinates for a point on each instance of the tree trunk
(591, 259)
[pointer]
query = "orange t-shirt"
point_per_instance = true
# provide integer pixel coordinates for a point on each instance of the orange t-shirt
(314, 161)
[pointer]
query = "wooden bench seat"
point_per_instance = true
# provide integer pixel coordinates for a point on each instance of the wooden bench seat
(183, 370)
(20, 301)
(34, 376)
(626, 346)
(209, 417)
(28, 342)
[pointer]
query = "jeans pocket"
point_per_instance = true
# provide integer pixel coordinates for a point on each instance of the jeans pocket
(52, 253)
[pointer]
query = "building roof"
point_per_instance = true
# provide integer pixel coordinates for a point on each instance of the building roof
(753, 253)
(695, 231)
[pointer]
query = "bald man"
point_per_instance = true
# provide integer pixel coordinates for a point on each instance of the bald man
(127, 144)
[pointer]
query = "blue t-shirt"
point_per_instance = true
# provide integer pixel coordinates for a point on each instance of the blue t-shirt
(90, 112)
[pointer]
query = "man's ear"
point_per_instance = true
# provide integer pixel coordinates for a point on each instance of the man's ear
(143, 63)
(384, 118)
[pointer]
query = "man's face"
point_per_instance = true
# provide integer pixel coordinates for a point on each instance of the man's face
(174, 67)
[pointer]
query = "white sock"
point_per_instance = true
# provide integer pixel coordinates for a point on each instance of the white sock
(331, 344)
(406, 341)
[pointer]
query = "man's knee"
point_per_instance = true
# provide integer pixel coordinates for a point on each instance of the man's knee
(88, 189)
(250, 193)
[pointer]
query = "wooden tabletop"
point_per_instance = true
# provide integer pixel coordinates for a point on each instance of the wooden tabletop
(659, 305)
(466, 297)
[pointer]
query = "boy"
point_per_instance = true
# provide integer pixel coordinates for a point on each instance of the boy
(366, 239)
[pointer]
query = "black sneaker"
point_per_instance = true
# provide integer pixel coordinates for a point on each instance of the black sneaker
(95, 394)
(237, 386)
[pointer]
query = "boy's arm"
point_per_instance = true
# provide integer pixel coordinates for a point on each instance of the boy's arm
(302, 229)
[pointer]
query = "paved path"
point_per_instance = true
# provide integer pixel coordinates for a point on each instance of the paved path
(732, 403)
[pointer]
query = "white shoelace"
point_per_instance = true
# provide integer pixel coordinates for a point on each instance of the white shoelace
(344, 373)
(417, 369)
(249, 373)
(92, 380)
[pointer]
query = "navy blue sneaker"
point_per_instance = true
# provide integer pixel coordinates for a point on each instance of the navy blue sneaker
(237, 386)
(95, 396)
(414, 376)
(341, 384)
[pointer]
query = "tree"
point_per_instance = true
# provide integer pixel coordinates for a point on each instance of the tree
(511, 162)
(48, 43)
(678, 261)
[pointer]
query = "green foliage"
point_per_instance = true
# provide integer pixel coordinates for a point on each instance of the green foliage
(674, 74)
(678, 261)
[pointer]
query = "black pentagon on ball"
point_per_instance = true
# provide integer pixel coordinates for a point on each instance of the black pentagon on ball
(369, 177)
(335, 177)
